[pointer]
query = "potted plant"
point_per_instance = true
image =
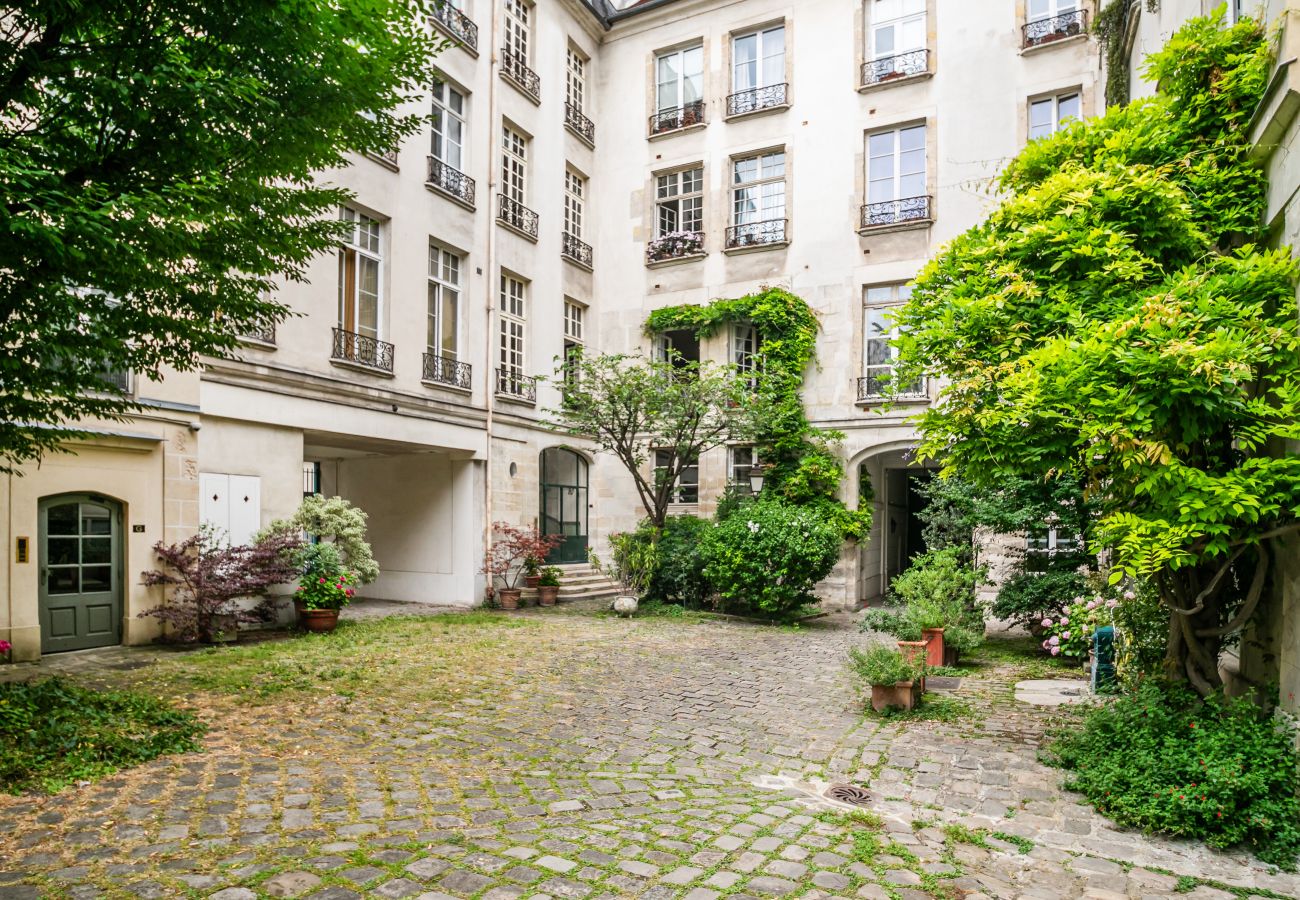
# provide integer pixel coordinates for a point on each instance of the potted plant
(506, 558)
(532, 571)
(324, 589)
(634, 559)
(548, 586)
(895, 680)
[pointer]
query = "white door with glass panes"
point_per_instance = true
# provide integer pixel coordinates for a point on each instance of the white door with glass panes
(758, 59)
(575, 82)
(517, 18)
(679, 78)
(575, 189)
(895, 27)
(758, 195)
(896, 167)
(360, 264)
(443, 337)
(512, 332)
(514, 164)
(448, 141)
(679, 202)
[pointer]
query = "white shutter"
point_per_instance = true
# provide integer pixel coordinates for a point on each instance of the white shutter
(214, 500)
(245, 508)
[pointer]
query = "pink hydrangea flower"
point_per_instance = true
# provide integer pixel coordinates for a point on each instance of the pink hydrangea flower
(1047, 623)
(1111, 604)
(1066, 635)
(1053, 640)
(1065, 620)
(1056, 651)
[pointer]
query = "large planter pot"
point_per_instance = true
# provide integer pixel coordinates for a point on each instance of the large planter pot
(530, 581)
(900, 695)
(933, 638)
(508, 598)
(625, 605)
(318, 621)
(547, 594)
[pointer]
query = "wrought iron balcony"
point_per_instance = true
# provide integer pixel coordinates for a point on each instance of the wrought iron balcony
(896, 212)
(893, 68)
(512, 383)
(442, 370)
(769, 97)
(456, 24)
(515, 67)
(675, 245)
(516, 215)
(579, 124)
(576, 250)
(756, 234)
(1045, 31)
(262, 331)
(878, 384)
(450, 181)
(677, 118)
(360, 350)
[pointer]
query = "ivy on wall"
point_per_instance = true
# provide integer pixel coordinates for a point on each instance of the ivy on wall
(1111, 27)
(805, 465)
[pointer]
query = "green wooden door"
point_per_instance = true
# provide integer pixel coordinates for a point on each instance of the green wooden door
(81, 573)
(564, 503)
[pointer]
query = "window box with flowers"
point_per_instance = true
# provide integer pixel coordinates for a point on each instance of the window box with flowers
(675, 246)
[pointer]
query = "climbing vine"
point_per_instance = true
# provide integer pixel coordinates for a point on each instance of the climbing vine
(1110, 26)
(805, 463)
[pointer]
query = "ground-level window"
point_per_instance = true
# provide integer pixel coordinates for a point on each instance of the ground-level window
(740, 462)
(687, 488)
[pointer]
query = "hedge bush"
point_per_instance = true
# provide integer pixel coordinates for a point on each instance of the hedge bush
(1029, 597)
(679, 573)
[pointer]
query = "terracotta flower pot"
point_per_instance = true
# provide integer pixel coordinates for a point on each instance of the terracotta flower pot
(508, 598)
(900, 695)
(933, 638)
(319, 621)
(915, 653)
(530, 581)
(547, 594)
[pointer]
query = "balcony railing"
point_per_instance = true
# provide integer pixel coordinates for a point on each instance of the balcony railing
(516, 215)
(756, 234)
(677, 118)
(878, 384)
(896, 212)
(579, 124)
(515, 67)
(675, 245)
(576, 250)
(443, 370)
(893, 68)
(513, 384)
(362, 351)
(450, 181)
(458, 25)
(1045, 31)
(262, 331)
(753, 100)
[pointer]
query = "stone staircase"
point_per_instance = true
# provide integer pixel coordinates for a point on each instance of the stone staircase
(580, 582)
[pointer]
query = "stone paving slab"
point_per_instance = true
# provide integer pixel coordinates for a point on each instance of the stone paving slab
(608, 758)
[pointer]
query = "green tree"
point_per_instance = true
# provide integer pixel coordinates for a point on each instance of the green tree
(157, 164)
(635, 408)
(1113, 324)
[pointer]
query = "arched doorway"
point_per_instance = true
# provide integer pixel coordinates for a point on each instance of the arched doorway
(81, 572)
(564, 496)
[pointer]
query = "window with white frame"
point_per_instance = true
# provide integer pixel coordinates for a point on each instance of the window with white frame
(575, 80)
(518, 14)
(1049, 114)
(443, 338)
(895, 27)
(681, 347)
(1045, 542)
(745, 344)
(1039, 10)
(740, 462)
(758, 59)
(514, 164)
(575, 316)
(879, 357)
(449, 132)
(679, 78)
(687, 487)
(575, 190)
(513, 307)
(360, 274)
(679, 202)
(758, 193)
(896, 164)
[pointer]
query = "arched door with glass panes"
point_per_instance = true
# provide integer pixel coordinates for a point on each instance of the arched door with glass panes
(564, 503)
(81, 572)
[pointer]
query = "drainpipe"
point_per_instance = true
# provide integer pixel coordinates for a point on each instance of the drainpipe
(489, 304)
(32, 549)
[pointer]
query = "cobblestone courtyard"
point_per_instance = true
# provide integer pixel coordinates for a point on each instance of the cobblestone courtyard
(579, 756)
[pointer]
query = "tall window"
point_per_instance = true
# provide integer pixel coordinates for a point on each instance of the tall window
(679, 202)
(680, 347)
(1047, 9)
(444, 303)
(514, 164)
(879, 356)
(679, 77)
(575, 82)
(740, 462)
(758, 59)
(516, 22)
(575, 190)
(745, 345)
(758, 188)
(1046, 116)
(360, 274)
(512, 328)
(449, 125)
(687, 488)
(575, 322)
(896, 164)
(895, 26)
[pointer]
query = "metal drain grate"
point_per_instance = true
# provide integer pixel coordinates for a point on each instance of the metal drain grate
(848, 793)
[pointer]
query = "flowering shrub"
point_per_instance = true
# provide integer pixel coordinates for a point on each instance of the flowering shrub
(1070, 634)
(325, 584)
(1163, 760)
(675, 244)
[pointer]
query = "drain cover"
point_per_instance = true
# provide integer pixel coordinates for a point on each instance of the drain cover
(848, 793)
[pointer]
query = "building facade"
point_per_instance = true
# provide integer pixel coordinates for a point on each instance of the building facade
(586, 165)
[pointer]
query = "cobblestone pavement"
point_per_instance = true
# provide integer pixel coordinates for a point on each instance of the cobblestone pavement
(596, 757)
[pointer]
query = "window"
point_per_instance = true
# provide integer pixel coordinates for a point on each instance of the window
(679, 78)
(360, 271)
(310, 478)
(449, 125)
(757, 200)
(679, 202)
(878, 354)
(740, 462)
(443, 337)
(681, 347)
(1048, 115)
(575, 315)
(516, 24)
(758, 59)
(575, 83)
(1045, 542)
(895, 27)
(687, 488)
(512, 330)
(896, 164)
(514, 164)
(575, 189)
(745, 344)
(1048, 9)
